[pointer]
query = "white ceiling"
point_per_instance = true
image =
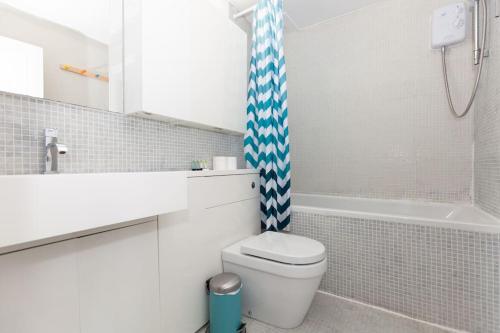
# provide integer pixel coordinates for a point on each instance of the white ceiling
(304, 13)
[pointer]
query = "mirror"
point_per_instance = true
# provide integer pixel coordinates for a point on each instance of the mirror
(69, 51)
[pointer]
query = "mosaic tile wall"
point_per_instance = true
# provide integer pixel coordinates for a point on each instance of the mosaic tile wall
(444, 276)
(487, 128)
(368, 111)
(100, 141)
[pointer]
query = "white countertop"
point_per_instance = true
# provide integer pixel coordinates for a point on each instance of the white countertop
(37, 207)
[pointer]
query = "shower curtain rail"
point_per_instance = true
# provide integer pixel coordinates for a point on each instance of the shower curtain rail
(245, 12)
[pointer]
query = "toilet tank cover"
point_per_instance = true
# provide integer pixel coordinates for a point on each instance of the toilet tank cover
(284, 248)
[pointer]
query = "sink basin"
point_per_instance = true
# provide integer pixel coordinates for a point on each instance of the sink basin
(42, 208)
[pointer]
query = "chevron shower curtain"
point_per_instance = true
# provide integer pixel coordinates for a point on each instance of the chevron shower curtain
(266, 139)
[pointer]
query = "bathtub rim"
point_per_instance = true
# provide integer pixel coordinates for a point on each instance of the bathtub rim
(493, 227)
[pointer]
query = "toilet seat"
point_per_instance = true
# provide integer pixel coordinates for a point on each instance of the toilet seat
(233, 254)
(284, 248)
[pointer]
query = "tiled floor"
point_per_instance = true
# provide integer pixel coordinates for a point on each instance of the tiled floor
(335, 315)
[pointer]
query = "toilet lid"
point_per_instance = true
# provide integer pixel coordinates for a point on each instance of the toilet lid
(284, 248)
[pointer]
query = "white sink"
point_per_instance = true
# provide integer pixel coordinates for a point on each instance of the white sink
(35, 208)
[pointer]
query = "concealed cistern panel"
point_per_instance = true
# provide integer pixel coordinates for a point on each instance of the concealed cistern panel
(449, 25)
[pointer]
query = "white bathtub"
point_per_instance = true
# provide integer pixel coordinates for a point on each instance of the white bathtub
(458, 216)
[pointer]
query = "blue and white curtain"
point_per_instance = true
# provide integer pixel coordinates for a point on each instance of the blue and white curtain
(266, 139)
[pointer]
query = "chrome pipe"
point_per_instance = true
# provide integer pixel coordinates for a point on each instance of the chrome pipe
(244, 12)
(477, 47)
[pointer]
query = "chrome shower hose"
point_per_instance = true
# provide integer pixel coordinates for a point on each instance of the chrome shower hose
(478, 76)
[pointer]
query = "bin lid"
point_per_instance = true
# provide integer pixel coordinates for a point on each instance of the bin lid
(225, 283)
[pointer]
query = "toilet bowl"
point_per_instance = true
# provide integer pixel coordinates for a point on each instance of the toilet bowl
(280, 273)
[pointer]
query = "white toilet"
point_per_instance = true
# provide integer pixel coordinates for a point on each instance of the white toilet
(280, 274)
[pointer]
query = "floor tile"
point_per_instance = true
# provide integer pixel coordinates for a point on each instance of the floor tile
(329, 314)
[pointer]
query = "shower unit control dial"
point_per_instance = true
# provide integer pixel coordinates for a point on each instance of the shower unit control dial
(449, 25)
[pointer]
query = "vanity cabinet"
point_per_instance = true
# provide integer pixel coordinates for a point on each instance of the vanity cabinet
(103, 283)
(185, 61)
(147, 276)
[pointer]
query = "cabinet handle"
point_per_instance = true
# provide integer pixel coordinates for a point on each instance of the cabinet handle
(253, 184)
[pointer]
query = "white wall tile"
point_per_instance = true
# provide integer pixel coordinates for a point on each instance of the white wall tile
(487, 128)
(368, 113)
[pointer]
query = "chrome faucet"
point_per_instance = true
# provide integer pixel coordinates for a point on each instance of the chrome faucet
(53, 150)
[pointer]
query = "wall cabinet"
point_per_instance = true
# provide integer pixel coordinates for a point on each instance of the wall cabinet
(104, 283)
(185, 61)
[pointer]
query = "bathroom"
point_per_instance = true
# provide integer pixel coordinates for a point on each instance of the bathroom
(143, 161)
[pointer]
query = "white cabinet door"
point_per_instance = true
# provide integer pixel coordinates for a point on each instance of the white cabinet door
(185, 60)
(104, 283)
(118, 279)
(39, 290)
